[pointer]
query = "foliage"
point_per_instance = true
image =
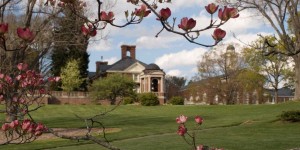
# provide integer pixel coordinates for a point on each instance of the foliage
(148, 99)
(219, 70)
(69, 44)
(70, 76)
(277, 69)
(111, 87)
(177, 100)
(173, 85)
(284, 19)
(291, 116)
(128, 100)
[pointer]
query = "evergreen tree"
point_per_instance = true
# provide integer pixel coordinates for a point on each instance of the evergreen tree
(70, 76)
(69, 44)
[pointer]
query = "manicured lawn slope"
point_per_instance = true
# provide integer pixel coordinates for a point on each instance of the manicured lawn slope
(236, 127)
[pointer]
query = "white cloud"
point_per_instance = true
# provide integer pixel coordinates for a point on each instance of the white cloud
(150, 42)
(174, 72)
(100, 45)
(181, 58)
(244, 39)
(111, 60)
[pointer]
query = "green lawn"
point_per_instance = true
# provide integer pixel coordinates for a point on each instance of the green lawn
(235, 127)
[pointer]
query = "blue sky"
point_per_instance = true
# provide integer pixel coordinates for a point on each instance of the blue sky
(171, 52)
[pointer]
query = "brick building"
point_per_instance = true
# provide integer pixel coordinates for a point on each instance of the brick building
(148, 77)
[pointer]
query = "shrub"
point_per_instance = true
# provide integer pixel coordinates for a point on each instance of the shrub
(148, 99)
(291, 116)
(128, 100)
(177, 100)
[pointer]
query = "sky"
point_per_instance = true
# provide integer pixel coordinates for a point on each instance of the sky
(174, 54)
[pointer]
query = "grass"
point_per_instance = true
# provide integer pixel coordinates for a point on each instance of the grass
(234, 127)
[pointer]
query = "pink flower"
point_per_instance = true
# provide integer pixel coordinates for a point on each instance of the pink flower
(22, 66)
(181, 119)
(228, 13)
(40, 127)
(200, 147)
(8, 79)
(14, 124)
(187, 24)
(53, 79)
(88, 31)
(1, 97)
(42, 91)
(181, 130)
(198, 120)
(219, 34)
(5, 126)
(3, 28)
(26, 124)
(211, 8)
(25, 34)
(1, 75)
(107, 17)
(142, 12)
(38, 133)
(164, 14)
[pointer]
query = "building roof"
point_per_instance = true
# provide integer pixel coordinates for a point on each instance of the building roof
(152, 66)
(123, 64)
(283, 92)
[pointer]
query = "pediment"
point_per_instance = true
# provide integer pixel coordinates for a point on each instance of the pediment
(136, 67)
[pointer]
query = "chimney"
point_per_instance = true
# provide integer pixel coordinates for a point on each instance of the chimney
(128, 48)
(99, 64)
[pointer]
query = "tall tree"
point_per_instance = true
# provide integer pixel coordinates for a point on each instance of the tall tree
(276, 68)
(220, 68)
(173, 85)
(69, 44)
(282, 16)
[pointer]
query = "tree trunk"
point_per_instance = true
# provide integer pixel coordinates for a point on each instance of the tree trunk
(297, 76)
(276, 95)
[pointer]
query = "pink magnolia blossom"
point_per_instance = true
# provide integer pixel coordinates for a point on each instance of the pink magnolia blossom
(219, 34)
(14, 124)
(142, 12)
(39, 129)
(8, 79)
(88, 31)
(42, 91)
(198, 120)
(25, 34)
(109, 17)
(22, 66)
(5, 126)
(181, 130)
(1, 75)
(227, 13)
(200, 147)
(181, 119)
(53, 79)
(38, 133)
(3, 28)
(187, 24)
(1, 96)
(211, 8)
(26, 124)
(164, 14)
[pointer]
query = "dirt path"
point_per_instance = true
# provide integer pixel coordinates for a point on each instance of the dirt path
(67, 132)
